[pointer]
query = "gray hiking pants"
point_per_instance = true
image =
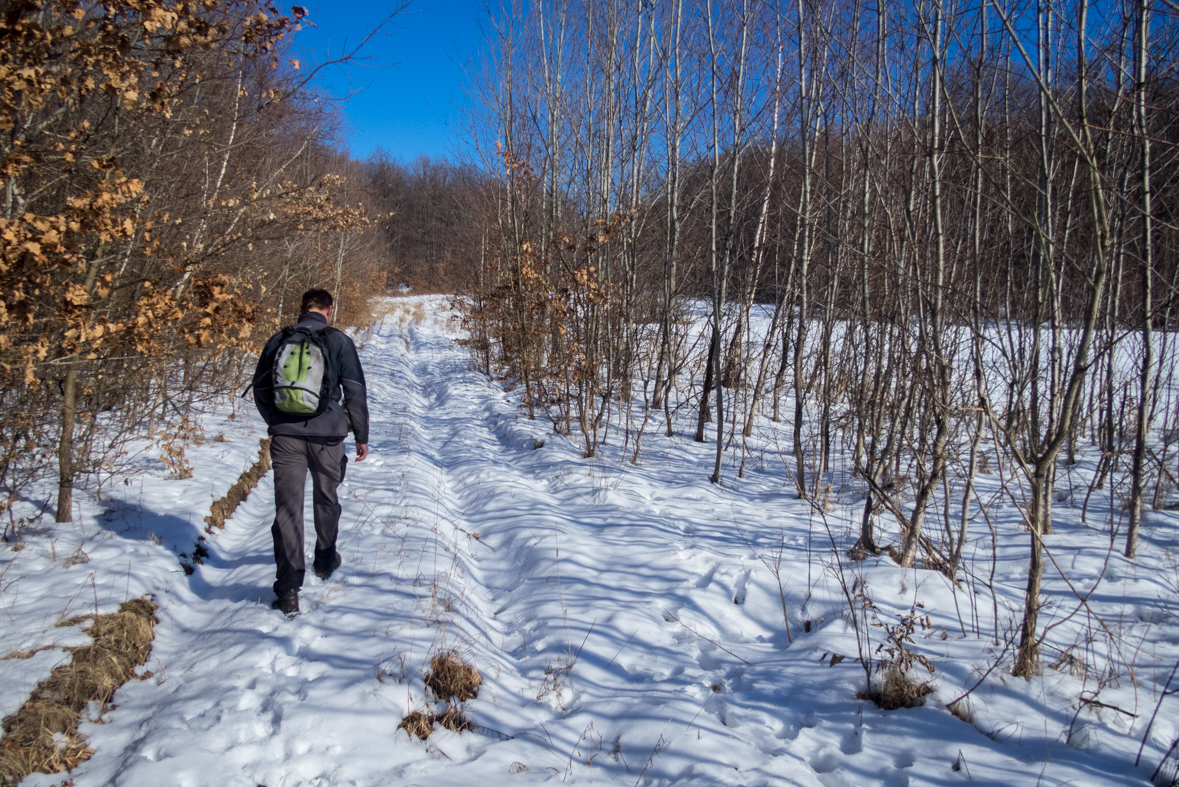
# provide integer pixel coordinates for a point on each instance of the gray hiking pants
(292, 458)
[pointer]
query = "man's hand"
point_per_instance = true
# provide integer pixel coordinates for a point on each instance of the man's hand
(361, 451)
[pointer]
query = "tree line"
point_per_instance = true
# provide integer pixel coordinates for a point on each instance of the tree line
(956, 218)
(171, 186)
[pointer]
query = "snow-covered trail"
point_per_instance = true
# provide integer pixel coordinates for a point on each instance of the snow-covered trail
(626, 622)
(577, 600)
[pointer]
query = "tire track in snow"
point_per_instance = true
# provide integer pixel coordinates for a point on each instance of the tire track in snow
(552, 545)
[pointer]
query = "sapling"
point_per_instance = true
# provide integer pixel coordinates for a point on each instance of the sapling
(896, 687)
(773, 562)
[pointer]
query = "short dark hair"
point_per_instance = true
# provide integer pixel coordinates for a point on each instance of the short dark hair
(316, 299)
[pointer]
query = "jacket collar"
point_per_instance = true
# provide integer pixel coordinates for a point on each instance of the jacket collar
(313, 317)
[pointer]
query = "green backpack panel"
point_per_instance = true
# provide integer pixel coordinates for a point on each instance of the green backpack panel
(302, 377)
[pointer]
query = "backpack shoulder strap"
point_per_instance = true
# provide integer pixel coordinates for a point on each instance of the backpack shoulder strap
(262, 377)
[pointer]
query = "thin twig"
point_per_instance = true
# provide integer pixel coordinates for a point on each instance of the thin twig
(998, 661)
(706, 639)
(628, 639)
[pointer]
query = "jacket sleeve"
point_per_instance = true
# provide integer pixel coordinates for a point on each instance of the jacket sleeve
(263, 397)
(355, 390)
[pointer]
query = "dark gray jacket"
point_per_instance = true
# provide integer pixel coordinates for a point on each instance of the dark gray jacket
(332, 424)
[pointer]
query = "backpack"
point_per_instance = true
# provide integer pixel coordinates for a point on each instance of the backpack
(303, 375)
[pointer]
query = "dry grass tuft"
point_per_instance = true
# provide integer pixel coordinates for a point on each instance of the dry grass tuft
(1069, 663)
(77, 620)
(403, 312)
(421, 724)
(898, 690)
(418, 724)
(451, 680)
(25, 654)
(962, 710)
(451, 677)
(454, 719)
(223, 509)
(42, 737)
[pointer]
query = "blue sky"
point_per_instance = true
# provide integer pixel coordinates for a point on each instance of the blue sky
(408, 87)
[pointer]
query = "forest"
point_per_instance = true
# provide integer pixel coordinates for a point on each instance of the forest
(960, 214)
(896, 253)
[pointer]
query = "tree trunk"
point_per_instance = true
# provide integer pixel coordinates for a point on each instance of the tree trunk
(65, 447)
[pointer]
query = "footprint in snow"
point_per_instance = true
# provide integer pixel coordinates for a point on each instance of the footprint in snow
(834, 779)
(705, 579)
(826, 761)
(739, 591)
(788, 732)
(707, 659)
(853, 742)
(768, 744)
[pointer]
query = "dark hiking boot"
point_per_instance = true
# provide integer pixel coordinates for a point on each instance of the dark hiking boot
(326, 573)
(287, 603)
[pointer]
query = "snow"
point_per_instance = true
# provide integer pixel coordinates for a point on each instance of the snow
(627, 619)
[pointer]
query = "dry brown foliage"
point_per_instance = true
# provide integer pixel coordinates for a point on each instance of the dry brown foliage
(166, 187)
(418, 724)
(1068, 662)
(897, 690)
(452, 678)
(962, 710)
(421, 724)
(531, 307)
(76, 208)
(42, 737)
(453, 719)
(223, 509)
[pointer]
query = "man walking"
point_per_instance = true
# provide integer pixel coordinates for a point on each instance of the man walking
(297, 388)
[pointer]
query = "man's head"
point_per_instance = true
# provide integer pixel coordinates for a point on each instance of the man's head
(317, 301)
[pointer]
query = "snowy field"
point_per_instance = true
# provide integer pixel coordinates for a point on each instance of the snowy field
(628, 621)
